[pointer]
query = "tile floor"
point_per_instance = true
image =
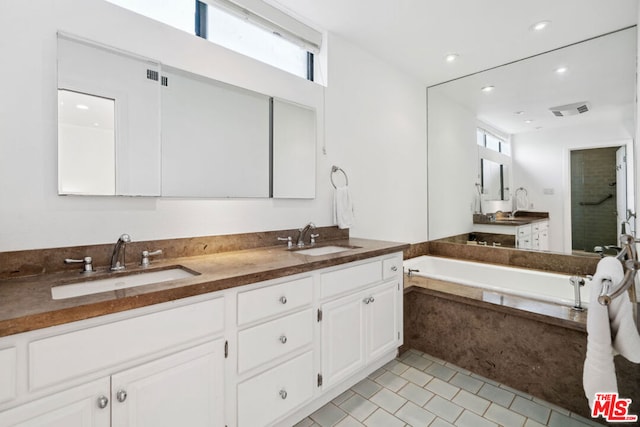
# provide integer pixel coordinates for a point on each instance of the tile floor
(420, 390)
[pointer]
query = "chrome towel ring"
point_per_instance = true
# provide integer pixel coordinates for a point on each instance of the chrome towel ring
(335, 169)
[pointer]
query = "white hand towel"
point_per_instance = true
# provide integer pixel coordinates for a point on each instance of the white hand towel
(343, 208)
(603, 323)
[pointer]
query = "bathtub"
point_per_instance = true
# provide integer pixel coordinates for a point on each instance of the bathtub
(539, 285)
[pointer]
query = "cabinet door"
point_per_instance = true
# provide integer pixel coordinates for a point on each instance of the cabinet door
(382, 319)
(185, 389)
(342, 338)
(78, 407)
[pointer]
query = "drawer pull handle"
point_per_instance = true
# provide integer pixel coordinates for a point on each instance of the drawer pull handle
(283, 300)
(394, 268)
(121, 395)
(103, 401)
(283, 394)
(283, 339)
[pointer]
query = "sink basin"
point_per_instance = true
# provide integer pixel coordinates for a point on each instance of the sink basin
(325, 250)
(119, 281)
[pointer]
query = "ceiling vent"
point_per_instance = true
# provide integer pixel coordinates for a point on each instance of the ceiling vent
(570, 109)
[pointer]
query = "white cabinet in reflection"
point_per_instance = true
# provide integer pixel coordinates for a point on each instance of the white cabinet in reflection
(215, 138)
(97, 157)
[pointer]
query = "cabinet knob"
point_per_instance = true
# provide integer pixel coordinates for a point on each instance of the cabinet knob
(367, 300)
(103, 401)
(371, 299)
(121, 395)
(394, 268)
(283, 339)
(283, 300)
(283, 394)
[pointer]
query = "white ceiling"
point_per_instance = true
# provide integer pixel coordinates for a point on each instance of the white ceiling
(415, 35)
(601, 71)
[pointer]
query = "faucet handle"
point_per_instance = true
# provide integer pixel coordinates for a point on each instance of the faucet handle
(87, 267)
(145, 257)
(288, 240)
(313, 238)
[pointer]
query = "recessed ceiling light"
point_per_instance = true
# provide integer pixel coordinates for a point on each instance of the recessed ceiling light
(82, 107)
(539, 26)
(519, 113)
(538, 127)
(487, 88)
(561, 70)
(451, 57)
(528, 121)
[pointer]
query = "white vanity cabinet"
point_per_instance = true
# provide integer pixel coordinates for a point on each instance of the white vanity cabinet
(264, 354)
(160, 366)
(362, 324)
(186, 388)
(533, 236)
(523, 237)
(182, 389)
(275, 350)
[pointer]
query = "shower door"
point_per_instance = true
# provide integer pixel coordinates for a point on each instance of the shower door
(594, 189)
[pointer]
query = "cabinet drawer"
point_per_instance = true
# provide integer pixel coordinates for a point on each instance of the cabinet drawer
(272, 300)
(392, 267)
(8, 370)
(77, 353)
(267, 397)
(524, 230)
(349, 278)
(270, 340)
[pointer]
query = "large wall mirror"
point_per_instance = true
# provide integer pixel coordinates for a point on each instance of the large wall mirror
(130, 126)
(564, 112)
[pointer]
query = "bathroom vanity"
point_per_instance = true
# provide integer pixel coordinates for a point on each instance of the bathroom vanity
(260, 337)
(531, 229)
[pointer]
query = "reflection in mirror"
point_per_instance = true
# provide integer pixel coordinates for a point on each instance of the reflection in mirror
(494, 177)
(127, 80)
(215, 138)
(86, 144)
(294, 150)
(546, 114)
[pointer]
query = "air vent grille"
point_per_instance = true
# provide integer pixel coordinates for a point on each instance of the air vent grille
(570, 109)
(152, 75)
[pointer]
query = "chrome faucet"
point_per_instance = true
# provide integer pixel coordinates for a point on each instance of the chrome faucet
(577, 282)
(303, 231)
(117, 258)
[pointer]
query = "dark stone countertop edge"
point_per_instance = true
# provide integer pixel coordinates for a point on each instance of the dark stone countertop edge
(26, 303)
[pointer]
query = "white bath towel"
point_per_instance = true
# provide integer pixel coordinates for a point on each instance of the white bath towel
(610, 329)
(343, 207)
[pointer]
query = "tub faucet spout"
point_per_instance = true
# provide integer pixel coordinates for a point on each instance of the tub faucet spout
(117, 258)
(577, 282)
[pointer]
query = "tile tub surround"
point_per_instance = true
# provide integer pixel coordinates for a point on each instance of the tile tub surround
(453, 247)
(540, 354)
(26, 303)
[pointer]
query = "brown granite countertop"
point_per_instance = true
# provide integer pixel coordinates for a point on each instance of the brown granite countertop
(521, 218)
(26, 303)
(555, 314)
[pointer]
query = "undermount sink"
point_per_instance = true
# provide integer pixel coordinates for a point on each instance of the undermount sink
(325, 250)
(119, 281)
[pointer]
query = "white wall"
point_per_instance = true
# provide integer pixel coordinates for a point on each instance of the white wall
(541, 160)
(453, 166)
(374, 129)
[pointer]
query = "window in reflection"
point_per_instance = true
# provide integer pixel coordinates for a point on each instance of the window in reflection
(86, 144)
